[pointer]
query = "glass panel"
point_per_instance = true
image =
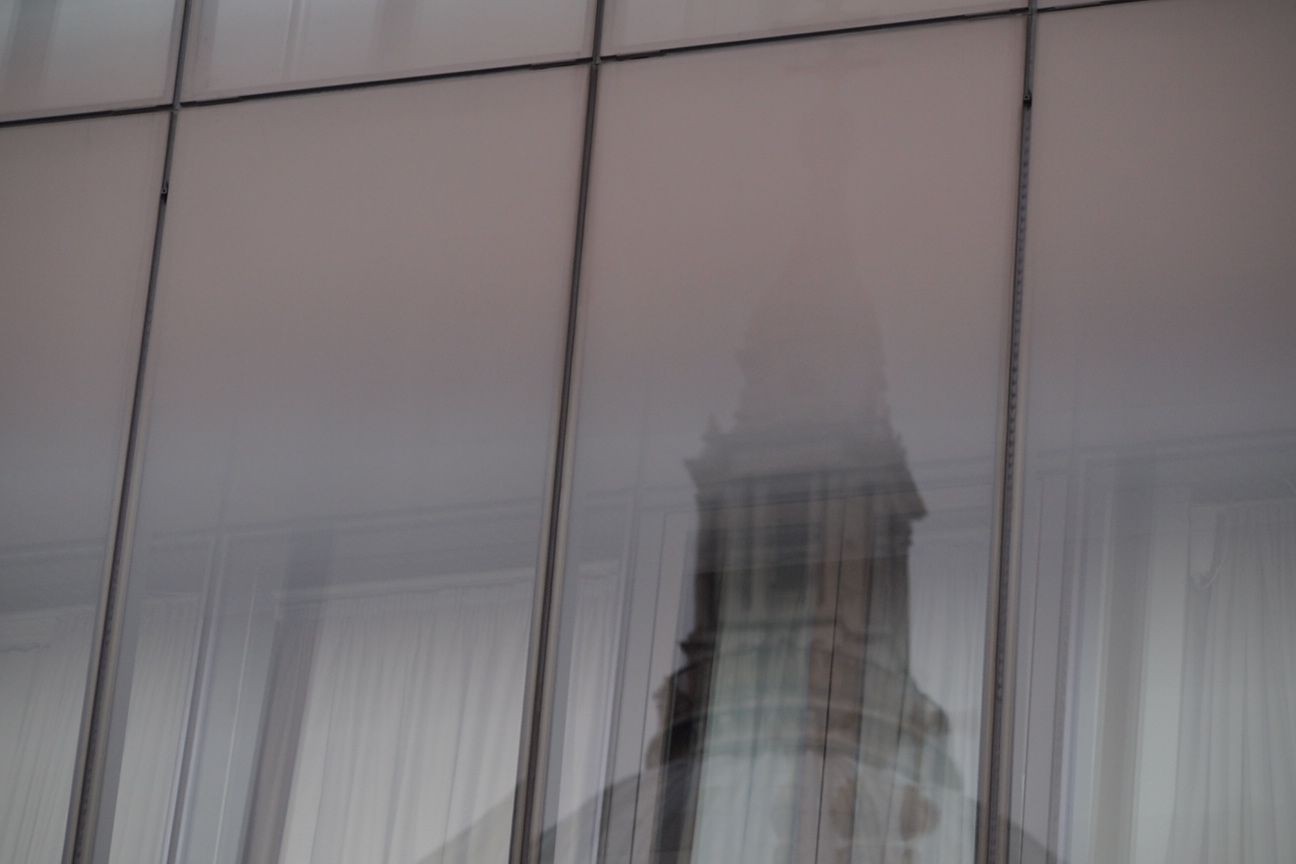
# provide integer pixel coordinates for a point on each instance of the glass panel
(773, 613)
(358, 342)
(65, 55)
(1157, 688)
(78, 203)
(646, 24)
(242, 46)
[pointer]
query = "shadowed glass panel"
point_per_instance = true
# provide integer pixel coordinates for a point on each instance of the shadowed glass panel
(780, 512)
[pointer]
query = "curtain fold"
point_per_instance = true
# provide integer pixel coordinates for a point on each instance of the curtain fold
(947, 651)
(43, 668)
(1235, 790)
(408, 740)
(588, 720)
(160, 690)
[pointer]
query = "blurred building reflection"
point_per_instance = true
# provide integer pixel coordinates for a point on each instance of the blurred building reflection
(793, 723)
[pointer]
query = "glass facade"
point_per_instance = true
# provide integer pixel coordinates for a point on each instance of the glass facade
(58, 56)
(352, 397)
(1157, 681)
(244, 46)
(770, 507)
(78, 202)
(639, 25)
(643, 432)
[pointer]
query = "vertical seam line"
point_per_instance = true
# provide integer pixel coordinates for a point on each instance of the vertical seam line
(87, 792)
(525, 846)
(994, 822)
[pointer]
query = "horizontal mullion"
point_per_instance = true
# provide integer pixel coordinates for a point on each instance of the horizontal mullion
(583, 60)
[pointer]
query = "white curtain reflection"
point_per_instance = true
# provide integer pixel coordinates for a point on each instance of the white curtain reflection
(1235, 792)
(42, 682)
(159, 702)
(586, 732)
(408, 737)
(389, 736)
(947, 595)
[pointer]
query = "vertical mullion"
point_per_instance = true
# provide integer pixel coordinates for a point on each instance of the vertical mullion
(994, 786)
(92, 746)
(533, 757)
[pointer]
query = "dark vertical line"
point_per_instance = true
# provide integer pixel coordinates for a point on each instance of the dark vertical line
(533, 761)
(88, 783)
(993, 810)
(630, 558)
(822, 796)
(293, 649)
(211, 598)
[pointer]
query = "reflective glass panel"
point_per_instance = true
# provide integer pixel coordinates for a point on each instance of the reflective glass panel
(773, 600)
(353, 382)
(240, 46)
(646, 24)
(78, 203)
(1157, 683)
(73, 55)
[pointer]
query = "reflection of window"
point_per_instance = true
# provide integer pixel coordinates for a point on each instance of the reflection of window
(392, 728)
(348, 699)
(42, 684)
(1175, 649)
(1235, 771)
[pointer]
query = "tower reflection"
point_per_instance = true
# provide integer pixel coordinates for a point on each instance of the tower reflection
(793, 730)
